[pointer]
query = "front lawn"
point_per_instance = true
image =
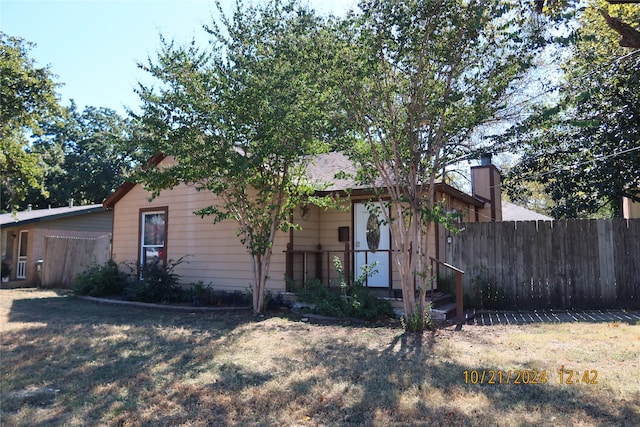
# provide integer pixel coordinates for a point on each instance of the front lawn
(71, 362)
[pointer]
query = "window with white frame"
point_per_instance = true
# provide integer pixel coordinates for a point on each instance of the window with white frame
(153, 237)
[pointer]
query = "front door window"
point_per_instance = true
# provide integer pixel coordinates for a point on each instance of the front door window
(371, 243)
(373, 232)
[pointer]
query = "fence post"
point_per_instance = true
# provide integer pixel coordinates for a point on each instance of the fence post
(459, 297)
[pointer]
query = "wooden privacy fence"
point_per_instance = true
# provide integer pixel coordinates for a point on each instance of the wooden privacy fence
(65, 257)
(549, 264)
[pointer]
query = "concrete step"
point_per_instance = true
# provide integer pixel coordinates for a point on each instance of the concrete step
(444, 311)
(439, 299)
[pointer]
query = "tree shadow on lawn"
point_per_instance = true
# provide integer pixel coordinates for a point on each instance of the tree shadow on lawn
(68, 364)
(404, 384)
(70, 309)
(144, 373)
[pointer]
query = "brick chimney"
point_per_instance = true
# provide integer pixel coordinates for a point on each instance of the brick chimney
(486, 185)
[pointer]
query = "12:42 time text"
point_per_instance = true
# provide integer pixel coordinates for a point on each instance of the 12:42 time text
(569, 376)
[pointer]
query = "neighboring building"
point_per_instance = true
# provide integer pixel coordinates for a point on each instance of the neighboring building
(513, 212)
(630, 207)
(167, 229)
(30, 252)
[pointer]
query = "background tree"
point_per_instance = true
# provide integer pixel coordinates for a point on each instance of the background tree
(87, 155)
(27, 97)
(419, 80)
(584, 148)
(238, 120)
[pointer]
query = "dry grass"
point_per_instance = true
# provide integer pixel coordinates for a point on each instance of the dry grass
(71, 362)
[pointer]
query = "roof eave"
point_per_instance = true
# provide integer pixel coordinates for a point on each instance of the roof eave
(110, 202)
(440, 187)
(53, 217)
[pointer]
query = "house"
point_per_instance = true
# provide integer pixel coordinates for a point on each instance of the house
(47, 247)
(513, 212)
(166, 228)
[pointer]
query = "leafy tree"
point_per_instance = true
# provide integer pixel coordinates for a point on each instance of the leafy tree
(237, 120)
(419, 79)
(584, 147)
(87, 155)
(27, 97)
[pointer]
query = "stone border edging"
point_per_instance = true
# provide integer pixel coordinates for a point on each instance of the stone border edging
(159, 306)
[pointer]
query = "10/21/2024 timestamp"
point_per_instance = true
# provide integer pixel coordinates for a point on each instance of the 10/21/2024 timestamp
(529, 376)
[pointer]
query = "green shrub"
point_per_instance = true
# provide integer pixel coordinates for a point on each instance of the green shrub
(487, 295)
(100, 280)
(324, 300)
(353, 300)
(200, 294)
(154, 283)
(419, 320)
(272, 301)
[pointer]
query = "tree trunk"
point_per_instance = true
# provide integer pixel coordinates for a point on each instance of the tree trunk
(260, 275)
(405, 256)
(262, 263)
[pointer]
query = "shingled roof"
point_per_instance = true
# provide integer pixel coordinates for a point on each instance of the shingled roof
(322, 170)
(512, 212)
(38, 215)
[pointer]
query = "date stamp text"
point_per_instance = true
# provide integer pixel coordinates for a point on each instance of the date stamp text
(530, 376)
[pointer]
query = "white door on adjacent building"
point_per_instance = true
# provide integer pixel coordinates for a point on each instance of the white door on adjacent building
(371, 242)
(21, 267)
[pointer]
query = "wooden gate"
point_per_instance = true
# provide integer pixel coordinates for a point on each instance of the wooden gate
(65, 257)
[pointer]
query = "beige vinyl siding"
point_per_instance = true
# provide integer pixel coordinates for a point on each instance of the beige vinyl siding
(305, 239)
(630, 208)
(329, 222)
(213, 252)
(319, 228)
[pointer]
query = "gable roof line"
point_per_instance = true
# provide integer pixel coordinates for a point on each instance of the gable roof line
(127, 186)
(41, 215)
(120, 192)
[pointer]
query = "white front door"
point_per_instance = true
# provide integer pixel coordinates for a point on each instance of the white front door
(371, 242)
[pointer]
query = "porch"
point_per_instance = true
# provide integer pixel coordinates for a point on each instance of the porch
(306, 265)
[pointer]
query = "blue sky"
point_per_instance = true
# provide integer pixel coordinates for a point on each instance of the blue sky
(93, 45)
